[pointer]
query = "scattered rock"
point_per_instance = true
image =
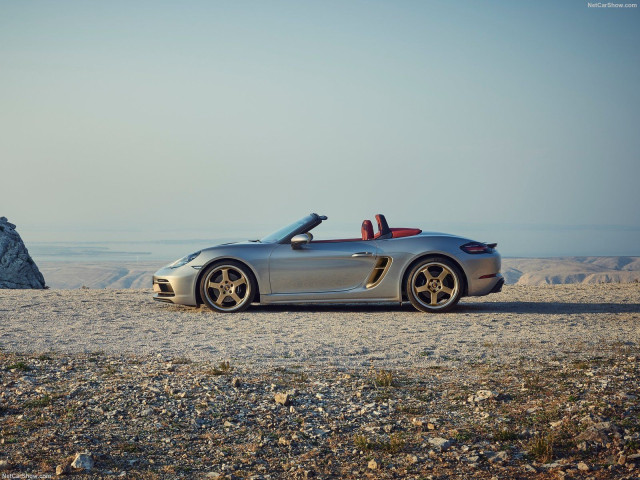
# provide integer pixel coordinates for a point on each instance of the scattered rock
(142, 421)
(481, 396)
(417, 421)
(283, 399)
(583, 467)
(497, 457)
(440, 444)
(284, 441)
(63, 469)
(599, 433)
(608, 427)
(83, 461)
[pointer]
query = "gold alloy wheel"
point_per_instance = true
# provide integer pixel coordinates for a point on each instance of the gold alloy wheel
(227, 288)
(435, 285)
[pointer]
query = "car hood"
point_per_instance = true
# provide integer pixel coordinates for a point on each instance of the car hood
(243, 243)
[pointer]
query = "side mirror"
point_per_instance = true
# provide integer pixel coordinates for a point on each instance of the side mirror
(299, 240)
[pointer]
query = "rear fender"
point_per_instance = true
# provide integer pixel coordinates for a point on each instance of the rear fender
(415, 261)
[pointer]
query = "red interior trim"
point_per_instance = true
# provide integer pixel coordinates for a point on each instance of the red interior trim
(405, 232)
(396, 232)
(338, 240)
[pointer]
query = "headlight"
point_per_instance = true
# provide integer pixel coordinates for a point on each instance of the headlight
(184, 260)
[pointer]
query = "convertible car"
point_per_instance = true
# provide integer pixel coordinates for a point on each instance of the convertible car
(431, 270)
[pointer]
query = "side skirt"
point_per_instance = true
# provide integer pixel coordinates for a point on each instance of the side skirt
(272, 299)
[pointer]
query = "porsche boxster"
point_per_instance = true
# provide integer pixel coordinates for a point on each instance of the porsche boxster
(431, 270)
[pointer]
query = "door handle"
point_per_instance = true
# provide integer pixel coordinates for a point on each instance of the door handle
(362, 254)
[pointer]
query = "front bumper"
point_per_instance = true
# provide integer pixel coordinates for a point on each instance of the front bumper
(176, 285)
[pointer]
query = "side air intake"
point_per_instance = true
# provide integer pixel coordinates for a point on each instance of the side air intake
(379, 271)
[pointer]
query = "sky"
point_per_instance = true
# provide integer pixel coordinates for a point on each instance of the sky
(510, 122)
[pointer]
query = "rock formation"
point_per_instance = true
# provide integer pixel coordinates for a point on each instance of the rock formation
(17, 268)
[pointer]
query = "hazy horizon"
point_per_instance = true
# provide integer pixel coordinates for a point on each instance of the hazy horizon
(511, 122)
(513, 241)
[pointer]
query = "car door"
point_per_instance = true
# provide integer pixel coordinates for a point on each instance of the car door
(319, 267)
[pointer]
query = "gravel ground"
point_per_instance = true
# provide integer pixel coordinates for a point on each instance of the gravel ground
(523, 321)
(159, 418)
(535, 382)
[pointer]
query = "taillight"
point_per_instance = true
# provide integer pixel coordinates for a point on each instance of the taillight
(477, 247)
(491, 275)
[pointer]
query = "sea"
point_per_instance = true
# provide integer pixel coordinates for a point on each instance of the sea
(160, 251)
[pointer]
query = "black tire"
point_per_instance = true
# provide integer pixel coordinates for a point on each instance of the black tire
(434, 285)
(227, 287)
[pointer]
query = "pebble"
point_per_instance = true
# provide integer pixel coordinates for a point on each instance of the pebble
(497, 457)
(283, 399)
(63, 469)
(583, 467)
(481, 396)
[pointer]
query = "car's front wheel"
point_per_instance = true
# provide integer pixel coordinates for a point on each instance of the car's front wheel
(434, 285)
(227, 287)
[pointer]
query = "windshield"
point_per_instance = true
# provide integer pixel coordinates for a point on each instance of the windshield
(285, 231)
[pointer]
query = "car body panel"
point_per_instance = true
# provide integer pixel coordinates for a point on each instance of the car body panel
(328, 271)
(320, 267)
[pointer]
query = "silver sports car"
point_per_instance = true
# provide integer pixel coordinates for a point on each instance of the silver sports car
(431, 270)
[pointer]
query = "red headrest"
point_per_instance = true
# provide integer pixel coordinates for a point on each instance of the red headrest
(383, 227)
(367, 230)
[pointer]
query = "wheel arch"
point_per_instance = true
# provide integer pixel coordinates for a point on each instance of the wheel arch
(196, 287)
(415, 261)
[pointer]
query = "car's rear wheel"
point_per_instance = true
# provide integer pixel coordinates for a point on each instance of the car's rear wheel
(434, 285)
(227, 287)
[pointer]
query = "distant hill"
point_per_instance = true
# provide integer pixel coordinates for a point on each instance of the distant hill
(69, 275)
(520, 271)
(537, 271)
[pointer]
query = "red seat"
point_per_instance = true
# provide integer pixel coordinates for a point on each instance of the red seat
(367, 230)
(383, 227)
(385, 232)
